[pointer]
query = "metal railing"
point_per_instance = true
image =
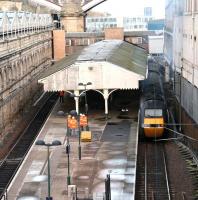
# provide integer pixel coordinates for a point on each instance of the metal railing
(17, 23)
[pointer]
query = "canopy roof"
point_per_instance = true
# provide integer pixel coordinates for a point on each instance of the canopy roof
(117, 52)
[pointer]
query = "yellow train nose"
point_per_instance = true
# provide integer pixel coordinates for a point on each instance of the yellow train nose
(153, 127)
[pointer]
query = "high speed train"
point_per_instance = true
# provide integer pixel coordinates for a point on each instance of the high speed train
(153, 114)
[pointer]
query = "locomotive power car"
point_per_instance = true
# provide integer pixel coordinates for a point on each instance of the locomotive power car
(153, 114)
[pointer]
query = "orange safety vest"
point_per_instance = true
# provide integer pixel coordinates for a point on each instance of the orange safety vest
(68, 121)
(83, 120)
(73, 124)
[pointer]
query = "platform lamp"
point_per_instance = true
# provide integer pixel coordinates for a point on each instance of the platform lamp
(71, 114)
(68, 149)
(48, 145)
(85, 88)
(74, 113)
(86, 104)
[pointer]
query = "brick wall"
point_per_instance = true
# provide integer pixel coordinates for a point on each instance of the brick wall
(58, 44)
(114, 33)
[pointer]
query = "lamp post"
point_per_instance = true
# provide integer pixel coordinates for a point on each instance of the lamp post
(48, 145)
(68, 151)
(86, 104)
(77, 114)
(85, 88)
(68, 164)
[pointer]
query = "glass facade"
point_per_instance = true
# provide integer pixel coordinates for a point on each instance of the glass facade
(96, 24)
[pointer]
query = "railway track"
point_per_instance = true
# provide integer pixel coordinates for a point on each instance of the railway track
(152, 179)
(10, 165)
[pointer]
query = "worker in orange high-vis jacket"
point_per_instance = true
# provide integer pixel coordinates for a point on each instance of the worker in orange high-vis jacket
(73, 124)
(83, 121)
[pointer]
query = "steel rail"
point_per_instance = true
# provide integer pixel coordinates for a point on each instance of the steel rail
(183, 196)
(16, 155)
(166, 174)
(149, 175)
(145, 175)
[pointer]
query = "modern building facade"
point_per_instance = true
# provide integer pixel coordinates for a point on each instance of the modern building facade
(132, 23)
(136, 23)
(181, 54)
(98, 24)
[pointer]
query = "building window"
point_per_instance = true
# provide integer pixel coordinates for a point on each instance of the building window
(68, 42)
(148, 11)
(139, 40)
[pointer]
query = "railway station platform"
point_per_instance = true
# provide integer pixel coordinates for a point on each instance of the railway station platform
(113, 150)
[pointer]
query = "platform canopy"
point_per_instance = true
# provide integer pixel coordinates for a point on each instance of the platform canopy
(108, 64)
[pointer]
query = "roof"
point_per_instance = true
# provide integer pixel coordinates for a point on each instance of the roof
(101, 34)
(84, 34)
(60, 65)
(130, 57)
(117, 52)
(99, 51)
(138, 33)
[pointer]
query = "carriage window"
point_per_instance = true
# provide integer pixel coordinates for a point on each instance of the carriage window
(153, 112)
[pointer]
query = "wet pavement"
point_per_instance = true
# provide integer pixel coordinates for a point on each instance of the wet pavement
(113, 151)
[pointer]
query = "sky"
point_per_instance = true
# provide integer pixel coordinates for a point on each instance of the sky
(132, 7)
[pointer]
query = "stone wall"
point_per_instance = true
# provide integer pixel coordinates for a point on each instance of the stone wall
(21, 6)
(11, 6)
(22, 60)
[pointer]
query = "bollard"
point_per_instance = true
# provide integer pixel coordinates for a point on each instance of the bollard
(106, 190)
(109, 185)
